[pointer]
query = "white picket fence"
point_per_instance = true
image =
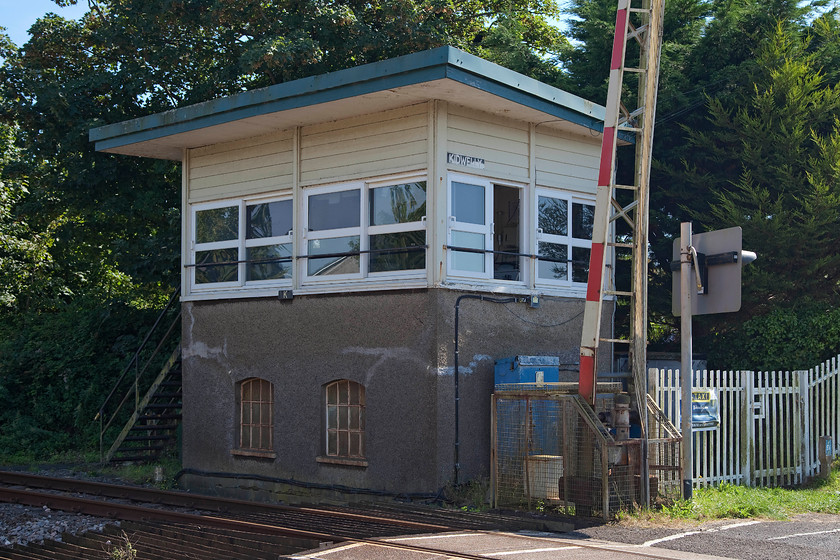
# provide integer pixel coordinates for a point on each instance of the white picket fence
(770, 422)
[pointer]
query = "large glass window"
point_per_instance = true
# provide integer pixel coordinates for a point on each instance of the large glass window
(242, 242)
(333, 230)
(564, 237)
(396, 227)
(485, 229)
(217, 245)
(366, 229)
(268, 240)
(345, 410)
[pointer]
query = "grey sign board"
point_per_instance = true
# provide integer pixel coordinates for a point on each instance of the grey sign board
(722, 283)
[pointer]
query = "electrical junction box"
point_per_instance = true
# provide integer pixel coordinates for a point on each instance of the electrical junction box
(527, 369)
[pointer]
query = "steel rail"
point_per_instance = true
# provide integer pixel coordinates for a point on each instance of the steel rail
(130, 512)
(126, 512)
(185, 500)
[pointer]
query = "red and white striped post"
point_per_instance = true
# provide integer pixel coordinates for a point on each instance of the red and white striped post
(600, 229)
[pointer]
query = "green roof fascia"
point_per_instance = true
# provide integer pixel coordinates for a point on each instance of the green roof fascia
(416, 68)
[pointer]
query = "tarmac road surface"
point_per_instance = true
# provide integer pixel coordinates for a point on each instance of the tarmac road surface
(803, 537)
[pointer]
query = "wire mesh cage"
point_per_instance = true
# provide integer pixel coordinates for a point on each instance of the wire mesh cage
(552, 451)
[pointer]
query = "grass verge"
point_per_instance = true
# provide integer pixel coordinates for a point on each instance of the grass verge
(740, 502)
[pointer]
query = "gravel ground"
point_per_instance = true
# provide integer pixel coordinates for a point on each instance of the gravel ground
(23, 524)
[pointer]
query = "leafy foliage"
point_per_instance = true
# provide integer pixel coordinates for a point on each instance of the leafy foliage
(786, 338)
(753, 148)
(52, 366)
(770, 164)
(24, 253)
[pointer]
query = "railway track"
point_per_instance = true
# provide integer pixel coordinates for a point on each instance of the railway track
(172, 525)
(165, 525)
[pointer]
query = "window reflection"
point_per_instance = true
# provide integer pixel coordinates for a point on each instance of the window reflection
(335, 264)
(468, 203)
(213, 270)
(399, 251)
(269, 262)
(217, 224)
(554, 215)
(334, 210)
(269, 219)
(583, 216)
(398, 204)
(553, 261)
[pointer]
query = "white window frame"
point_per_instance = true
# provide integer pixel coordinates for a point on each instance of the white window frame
(241, 244)
(364, 231)
(309, 235)
(405, 227)
(568, 240)
(487, 229)
(286, 239)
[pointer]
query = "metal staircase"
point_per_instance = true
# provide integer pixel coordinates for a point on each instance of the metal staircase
(146, 398)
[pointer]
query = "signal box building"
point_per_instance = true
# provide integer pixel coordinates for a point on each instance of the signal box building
(330, 226)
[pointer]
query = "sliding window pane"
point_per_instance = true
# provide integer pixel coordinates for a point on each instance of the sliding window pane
(553, 261)
(269, 219)
(400, 251)
(269, 262)
(217, 224)
(398, 204)
(336, 263)
(218, 265)
(334, 210)
(583, 217)
(580, 264)
(553, 215)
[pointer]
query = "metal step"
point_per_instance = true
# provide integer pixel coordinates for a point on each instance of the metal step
(160, 417)
(149, 438)
(163, 406)
(166, 396)
(150, 427)
(149, 448)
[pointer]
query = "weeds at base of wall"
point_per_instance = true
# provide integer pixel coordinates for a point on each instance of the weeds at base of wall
(473, 495)
(161, 474)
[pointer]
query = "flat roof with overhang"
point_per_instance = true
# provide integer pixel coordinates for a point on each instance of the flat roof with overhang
(444, 73)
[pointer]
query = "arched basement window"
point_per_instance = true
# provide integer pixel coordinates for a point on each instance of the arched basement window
(256, 418)
(345, 419)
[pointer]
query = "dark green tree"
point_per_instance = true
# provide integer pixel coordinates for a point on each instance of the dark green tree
(773, 168)
(25, 262)
(768, 160)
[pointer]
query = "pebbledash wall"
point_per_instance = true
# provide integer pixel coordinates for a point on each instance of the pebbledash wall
(329, 227)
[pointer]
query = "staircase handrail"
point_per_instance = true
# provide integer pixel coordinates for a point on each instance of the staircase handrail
(136, 356)
(139, 374)
(135, 364)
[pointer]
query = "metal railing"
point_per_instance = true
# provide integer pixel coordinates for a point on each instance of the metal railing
(127, 385)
